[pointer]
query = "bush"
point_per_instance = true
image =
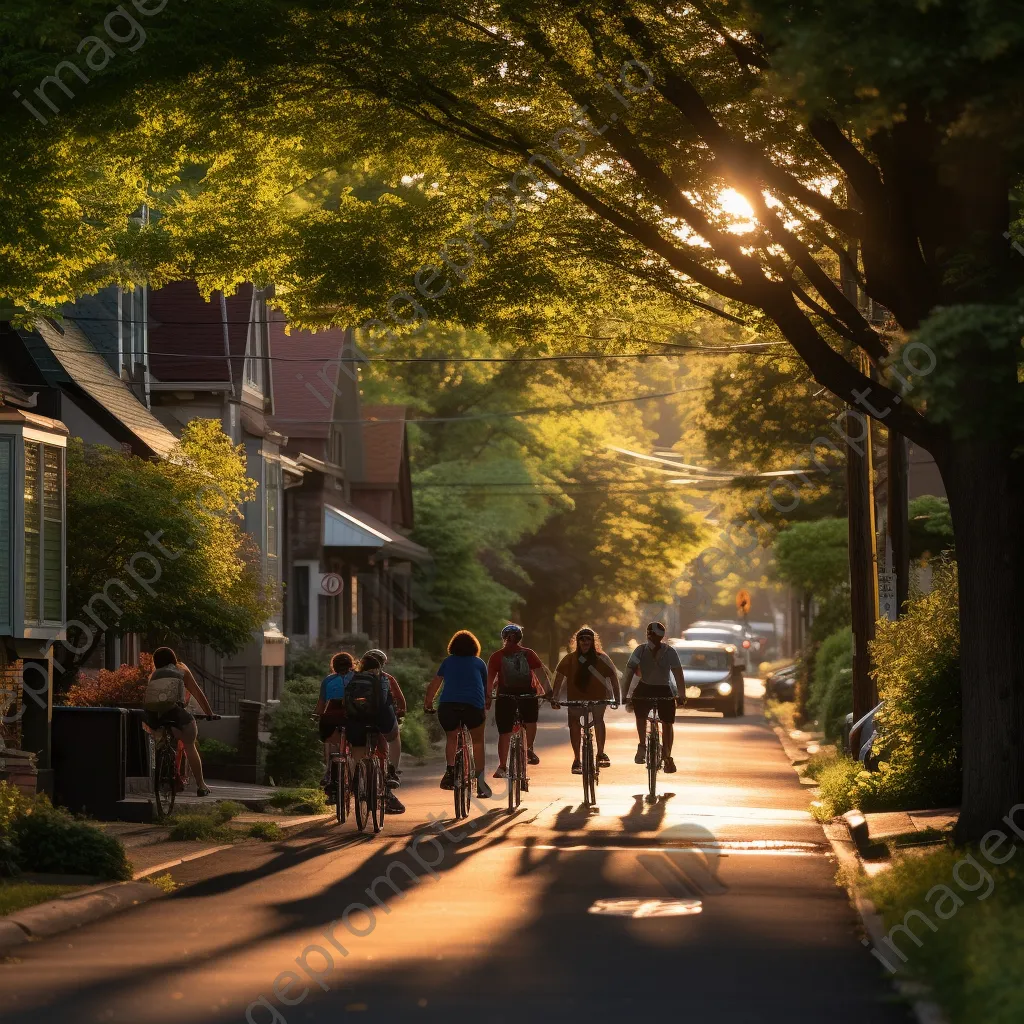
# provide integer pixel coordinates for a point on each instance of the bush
(831, 696)
(106, 689)
(415, 740)
(206, 828)
(413, 668)
(918, 675)
(836, 775)
(300, 801)
(295, 753)
(217, 752)
(268, 831)
(309, 661)
(50, 840)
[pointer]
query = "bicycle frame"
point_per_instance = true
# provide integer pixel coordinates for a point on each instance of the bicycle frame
(588, 760)
(371, 783)
(518, 781)
(653, 753)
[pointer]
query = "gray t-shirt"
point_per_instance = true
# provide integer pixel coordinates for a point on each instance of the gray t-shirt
(655, 669)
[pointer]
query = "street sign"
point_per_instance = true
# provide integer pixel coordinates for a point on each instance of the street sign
(331, 584)
(887, 596)
(743, 602)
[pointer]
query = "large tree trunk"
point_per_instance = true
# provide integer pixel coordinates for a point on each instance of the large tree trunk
(985, 486)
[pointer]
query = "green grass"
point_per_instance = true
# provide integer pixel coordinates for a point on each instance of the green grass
(299, 801)
(835, 775)
(200, 827)
(972, 961)
(269, 831)
(19, 895)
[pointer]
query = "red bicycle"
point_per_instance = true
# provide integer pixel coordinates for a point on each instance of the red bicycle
(171, 772)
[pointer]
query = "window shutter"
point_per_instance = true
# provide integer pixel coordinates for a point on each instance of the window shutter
(53, 534)
(6, 540)
(33, 472)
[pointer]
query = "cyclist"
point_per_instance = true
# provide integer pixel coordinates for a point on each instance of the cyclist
(330, 709)
(382, 718)
(399, 704)
(164, 702)
(660, 686)
(515, 671)
(590, 675)
(464, 702)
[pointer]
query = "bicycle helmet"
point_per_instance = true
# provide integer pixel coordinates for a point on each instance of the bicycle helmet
(512, 630)
(378, 654)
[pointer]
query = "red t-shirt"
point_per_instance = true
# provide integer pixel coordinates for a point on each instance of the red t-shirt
(496, 668)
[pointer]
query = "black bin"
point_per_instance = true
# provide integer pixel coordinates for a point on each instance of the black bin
(89, 755)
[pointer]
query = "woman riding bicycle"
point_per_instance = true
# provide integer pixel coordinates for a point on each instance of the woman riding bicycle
(464, 702)
(167, 693)
(590, 674)
(330, 708)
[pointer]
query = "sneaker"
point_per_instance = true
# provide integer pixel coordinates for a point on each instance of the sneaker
(394, 805)
(670, 765)
(501, 772)
(641, 754)
(448, 779)
(603, 761)
(393, 780)
(577, 768)
(202, 792)
(482, 789)
(532, 758)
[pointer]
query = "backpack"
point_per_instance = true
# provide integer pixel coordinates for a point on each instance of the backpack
(516, 674)
(165, 690)
(363, 697)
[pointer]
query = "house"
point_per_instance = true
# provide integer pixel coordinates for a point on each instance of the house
(349, 560)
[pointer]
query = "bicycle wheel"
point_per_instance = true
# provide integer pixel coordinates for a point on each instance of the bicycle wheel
(513, 772)
(459, 780)
(164, 781)
(362, 795)
(589, 770)
(653, 761)
(378, 795)
(341, 786)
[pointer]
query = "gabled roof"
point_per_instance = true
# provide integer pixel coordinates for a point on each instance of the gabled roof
(186, 334)
(383, 443)
(351, 527)
(87, 369)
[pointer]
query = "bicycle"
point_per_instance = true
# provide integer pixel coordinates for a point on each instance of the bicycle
(653, 754)
(518, 780)
(339, 774)
(464, 772)
(371, 788)
(588, 759)
(171, 773)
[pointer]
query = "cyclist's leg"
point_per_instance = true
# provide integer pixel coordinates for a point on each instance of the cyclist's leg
(600, 732)
(529, 712)
(504, 719)
(575, 731)
(188, 734)
(667, 714)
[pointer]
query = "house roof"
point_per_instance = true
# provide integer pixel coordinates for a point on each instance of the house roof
(186, 334)
(383, 443)
(92, 373)
(345, 526)
(304, 402)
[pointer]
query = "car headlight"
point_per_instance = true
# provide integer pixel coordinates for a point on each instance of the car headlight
(725, 689)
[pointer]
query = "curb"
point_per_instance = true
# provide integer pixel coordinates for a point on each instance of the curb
(167, 865)
(56, 916)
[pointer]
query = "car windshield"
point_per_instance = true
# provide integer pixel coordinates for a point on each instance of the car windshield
(714, 635)
(713, 661)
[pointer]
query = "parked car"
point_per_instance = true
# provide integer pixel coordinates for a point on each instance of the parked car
(781, 684)
(729, 633)
(712, 676)
(620, 655)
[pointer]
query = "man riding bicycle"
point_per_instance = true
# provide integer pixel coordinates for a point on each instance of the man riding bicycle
(590, 675)
(399, 704)
(517, 673)
(660, 686)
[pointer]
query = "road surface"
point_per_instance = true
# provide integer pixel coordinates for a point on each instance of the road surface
(498, 919)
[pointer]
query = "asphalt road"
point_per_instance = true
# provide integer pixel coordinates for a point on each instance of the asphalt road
(496, 918)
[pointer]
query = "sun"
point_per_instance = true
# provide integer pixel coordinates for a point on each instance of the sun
(731, 202)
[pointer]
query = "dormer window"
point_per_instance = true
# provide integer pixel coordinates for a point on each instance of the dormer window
(256, 347)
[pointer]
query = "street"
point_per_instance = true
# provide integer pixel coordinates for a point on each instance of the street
(493, 917)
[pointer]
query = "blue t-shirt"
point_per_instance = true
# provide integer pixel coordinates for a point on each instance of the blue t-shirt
(465, 680)
(333, 687)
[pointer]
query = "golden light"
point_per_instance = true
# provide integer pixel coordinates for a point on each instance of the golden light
(731, 202)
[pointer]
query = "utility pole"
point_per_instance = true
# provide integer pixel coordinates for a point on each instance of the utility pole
(898, 515)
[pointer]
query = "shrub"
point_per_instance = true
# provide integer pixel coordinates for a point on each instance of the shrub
(203, 827)
(836, 775)
(106, 689)
(300, 801)
(831, 696)
(268, 831)
(295, 753)
(217, 751)
(225, 810)
(415, 740)
(413, 668)
(50, 840)
(309, 661)
(918, 675)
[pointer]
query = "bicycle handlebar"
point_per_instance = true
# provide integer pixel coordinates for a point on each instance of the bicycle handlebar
(582, 703)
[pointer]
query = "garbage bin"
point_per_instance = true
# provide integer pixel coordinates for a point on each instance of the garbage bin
(89, 755)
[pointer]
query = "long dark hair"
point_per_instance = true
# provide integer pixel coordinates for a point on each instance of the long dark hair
(598, 649)
(164, 656)
(464, 645)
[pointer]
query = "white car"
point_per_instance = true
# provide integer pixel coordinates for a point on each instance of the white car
(725, 633)
(711, 675)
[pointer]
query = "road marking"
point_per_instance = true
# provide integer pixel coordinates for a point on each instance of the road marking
(721, 848)
(626, 907)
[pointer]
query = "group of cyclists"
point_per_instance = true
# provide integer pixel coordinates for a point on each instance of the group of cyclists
(363, 696)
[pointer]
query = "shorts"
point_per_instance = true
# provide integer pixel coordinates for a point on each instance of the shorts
(505, 710)
(596, 712)
(645, 697)
(452, 714)
(386, 723)
(330, 723)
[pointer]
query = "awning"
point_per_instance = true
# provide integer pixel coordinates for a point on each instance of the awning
(351, 528)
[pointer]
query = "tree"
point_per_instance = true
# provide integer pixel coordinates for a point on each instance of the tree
(754, 150)
(158, 547)
(813, 556)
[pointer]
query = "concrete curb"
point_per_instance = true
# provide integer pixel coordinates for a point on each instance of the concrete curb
(167, 865)
(56, 916)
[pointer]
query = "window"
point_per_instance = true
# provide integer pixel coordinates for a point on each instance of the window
(272, 476)
(336, 448)
(44, 533)
(254, 350)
